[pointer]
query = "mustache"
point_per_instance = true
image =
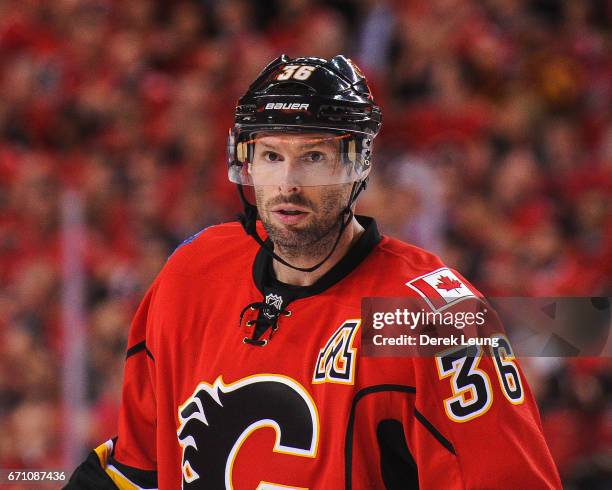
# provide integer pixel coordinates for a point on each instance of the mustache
(296, 199)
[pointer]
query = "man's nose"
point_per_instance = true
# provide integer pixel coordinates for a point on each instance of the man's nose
(290, 178)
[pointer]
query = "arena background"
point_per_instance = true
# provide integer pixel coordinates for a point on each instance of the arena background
(496, 153)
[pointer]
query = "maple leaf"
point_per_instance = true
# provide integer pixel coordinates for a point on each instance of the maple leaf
(446, 283)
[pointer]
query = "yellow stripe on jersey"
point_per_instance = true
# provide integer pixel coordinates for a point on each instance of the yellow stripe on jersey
(103, 451)
(122, 482)
(119, 479)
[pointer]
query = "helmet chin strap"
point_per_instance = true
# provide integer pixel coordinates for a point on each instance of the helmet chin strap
(248, 220)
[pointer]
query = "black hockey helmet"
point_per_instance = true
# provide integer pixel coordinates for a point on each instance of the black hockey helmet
(328, 98)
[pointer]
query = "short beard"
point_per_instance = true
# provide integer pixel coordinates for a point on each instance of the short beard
(313, 241)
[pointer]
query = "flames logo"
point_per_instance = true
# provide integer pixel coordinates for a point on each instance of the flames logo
(216, 420)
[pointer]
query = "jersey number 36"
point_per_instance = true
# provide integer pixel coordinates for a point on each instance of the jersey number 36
(472, 394)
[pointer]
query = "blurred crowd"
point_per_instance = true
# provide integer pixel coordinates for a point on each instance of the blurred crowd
(496, 153)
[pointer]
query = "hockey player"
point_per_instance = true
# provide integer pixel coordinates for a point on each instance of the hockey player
(246, 367)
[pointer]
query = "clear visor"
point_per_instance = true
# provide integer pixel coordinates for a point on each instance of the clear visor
(300, 159)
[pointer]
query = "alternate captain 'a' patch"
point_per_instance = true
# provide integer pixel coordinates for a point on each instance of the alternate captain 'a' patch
(336, 360)
(441, 288)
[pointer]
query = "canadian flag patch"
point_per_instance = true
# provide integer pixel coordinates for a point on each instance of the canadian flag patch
(441, 288)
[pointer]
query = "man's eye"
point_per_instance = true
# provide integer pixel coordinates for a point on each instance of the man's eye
(315, 156)
(271, 156)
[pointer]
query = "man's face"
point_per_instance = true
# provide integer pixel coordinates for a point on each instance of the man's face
(300, 219)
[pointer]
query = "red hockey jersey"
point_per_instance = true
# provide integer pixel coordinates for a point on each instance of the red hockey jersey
(214, 401)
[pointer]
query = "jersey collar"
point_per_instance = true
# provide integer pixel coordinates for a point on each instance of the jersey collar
(264, 277)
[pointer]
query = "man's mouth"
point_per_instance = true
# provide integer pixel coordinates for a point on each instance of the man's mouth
(289, 209)
(289, 214)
